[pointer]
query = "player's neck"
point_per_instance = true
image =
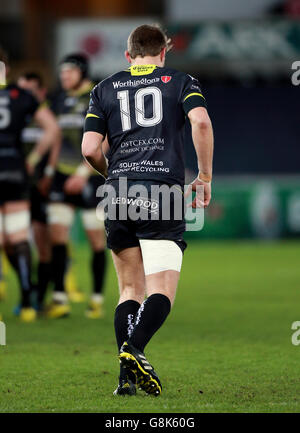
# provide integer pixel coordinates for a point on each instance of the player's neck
(147, 60)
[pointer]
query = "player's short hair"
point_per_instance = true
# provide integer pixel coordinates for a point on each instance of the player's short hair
(147, 40)
(79, 60)
(3, 56)
(33, 76)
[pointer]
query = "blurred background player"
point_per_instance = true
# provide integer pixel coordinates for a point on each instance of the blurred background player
(74, 186)
(39, 187)
(39, 191)
(17, 107)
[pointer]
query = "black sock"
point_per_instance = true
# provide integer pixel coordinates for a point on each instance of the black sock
(124, 322)
(151, 315)
(98, 270)
(10, 255)
(44, 276)
(21, 260)
(59, 266)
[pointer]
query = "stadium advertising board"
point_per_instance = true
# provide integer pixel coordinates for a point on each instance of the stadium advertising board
(103, 41)
(266, 44)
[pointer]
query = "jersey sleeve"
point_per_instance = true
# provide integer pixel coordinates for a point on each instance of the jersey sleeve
(192, 95)
(95, 119)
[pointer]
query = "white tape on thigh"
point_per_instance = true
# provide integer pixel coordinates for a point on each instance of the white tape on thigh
(59, 213)
(91, 220)
(1, 222)
(160, 255)
(16, 221)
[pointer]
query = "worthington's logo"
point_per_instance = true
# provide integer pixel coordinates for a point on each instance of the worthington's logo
(134, 83)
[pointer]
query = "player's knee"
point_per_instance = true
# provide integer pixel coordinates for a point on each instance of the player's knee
(58, 234)
(160, 255)
(16, 223)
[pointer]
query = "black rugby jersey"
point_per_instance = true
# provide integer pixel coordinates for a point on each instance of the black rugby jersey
(70, 109)
(142, 110)
(17, 107)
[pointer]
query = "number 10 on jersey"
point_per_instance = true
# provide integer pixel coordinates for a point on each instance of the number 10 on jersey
(139, 108)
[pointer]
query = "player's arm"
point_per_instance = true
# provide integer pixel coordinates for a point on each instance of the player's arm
(94, 144)
(194, 106)
(49, 171)
(76, 182)
(51, 138)
(202, 135)
(94, 148)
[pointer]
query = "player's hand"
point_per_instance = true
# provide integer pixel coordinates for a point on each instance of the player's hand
(44, 185)
(74, 184)
(203, 193)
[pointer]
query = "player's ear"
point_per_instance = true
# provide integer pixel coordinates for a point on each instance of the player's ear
(127, 55)
(163, 55)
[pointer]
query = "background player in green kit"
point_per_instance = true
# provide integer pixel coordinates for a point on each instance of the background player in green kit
(144, 105)
(74, 186)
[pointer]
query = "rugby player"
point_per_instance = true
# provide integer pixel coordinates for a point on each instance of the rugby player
(17, 108)
(40, 184)
(136, 108)
(74, 186)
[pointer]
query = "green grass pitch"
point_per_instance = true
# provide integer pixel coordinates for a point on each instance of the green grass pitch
(226, 346)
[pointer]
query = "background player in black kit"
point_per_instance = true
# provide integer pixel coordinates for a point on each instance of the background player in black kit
(142, 106)
(40, 183)
(17, 107)
(74, 186)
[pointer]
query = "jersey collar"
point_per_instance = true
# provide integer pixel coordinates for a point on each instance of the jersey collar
(83, 90)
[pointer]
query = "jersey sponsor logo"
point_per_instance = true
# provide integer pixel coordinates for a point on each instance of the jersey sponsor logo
(143, 142)
(166, 78)
(142, 69)
(142, 202)
(145, 166)
(134, 83)
(142, 145)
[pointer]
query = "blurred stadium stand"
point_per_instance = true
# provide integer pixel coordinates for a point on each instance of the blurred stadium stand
(242, 53)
